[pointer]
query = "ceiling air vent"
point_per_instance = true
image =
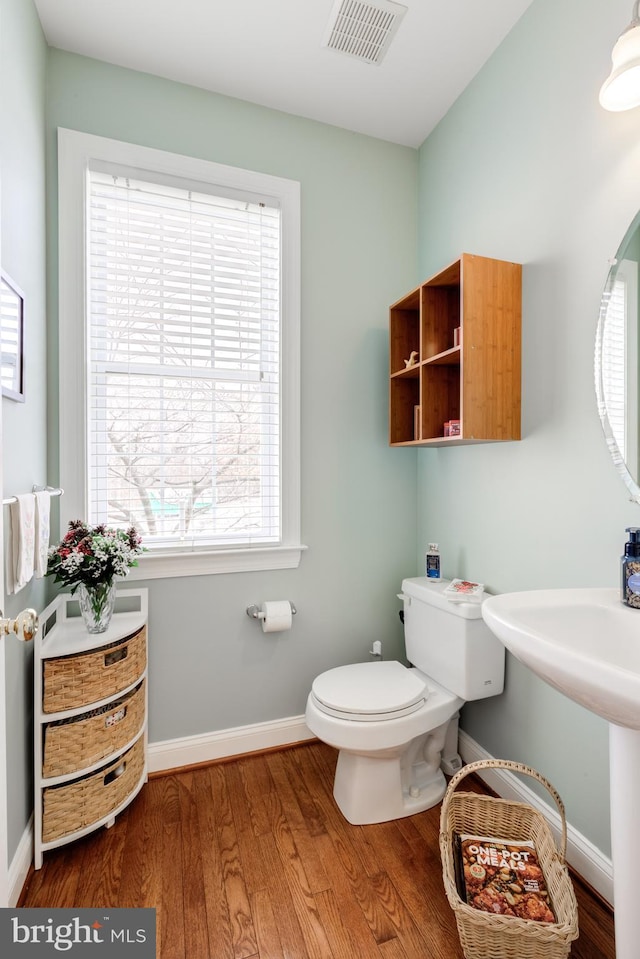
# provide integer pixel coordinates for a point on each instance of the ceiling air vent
(363, 30)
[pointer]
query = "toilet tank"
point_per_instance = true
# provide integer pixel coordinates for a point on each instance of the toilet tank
(451, 642)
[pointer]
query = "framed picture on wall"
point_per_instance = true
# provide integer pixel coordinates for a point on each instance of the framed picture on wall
(11, 339)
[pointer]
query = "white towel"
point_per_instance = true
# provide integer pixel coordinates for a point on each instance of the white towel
(23, 513)
(41, 548)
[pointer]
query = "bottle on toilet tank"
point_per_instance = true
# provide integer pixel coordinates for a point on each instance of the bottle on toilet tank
(631, 569)
(432, 562)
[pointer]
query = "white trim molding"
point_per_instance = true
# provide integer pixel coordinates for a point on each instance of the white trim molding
(159, 565)
(585, 858)
(20, 864)
(224, 743)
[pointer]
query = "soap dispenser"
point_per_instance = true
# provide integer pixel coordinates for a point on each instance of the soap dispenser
(631, 569)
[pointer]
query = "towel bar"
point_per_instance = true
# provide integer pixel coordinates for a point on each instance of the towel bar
(54, 490)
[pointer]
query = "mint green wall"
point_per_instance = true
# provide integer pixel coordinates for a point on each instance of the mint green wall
(528, 167)
(23, 57)
(211, 667)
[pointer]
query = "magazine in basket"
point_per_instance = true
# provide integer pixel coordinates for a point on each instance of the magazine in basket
(502, 877)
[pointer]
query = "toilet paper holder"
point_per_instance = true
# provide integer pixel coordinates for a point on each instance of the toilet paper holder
(255, 612)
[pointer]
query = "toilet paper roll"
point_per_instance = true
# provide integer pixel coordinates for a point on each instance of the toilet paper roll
(277, 616)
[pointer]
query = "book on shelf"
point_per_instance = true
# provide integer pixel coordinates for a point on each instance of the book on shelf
(502, 877)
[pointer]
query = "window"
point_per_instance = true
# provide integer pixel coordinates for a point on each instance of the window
(179, 326)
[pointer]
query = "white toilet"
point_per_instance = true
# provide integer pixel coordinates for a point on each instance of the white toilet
(395, 726)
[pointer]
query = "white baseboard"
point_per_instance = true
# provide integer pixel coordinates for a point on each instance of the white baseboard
(587, 860)
(20, 864)
(190, 750)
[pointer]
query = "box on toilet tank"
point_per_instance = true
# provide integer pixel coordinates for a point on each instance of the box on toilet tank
(450, 642)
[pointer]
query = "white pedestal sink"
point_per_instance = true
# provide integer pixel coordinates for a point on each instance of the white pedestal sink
(586, 644)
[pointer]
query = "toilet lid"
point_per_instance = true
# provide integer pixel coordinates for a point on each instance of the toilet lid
(373, 690)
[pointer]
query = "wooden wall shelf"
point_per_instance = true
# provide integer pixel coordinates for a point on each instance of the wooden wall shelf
(465, 325)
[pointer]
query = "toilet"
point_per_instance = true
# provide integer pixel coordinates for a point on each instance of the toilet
(396, 727)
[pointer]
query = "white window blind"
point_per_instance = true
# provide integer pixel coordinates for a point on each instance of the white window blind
(183, 339)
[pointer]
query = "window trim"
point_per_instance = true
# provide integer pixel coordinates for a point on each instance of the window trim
(75, 151)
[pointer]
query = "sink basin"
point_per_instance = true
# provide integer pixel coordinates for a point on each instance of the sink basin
(583, 642)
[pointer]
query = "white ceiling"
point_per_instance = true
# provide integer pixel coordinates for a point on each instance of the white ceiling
(270, 52)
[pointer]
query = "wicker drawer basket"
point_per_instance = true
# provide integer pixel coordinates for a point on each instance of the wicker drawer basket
(85, 678)
(73, 806)
(485, 935)
(73, 744)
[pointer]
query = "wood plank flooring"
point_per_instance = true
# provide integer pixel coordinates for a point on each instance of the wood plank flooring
(251, 859)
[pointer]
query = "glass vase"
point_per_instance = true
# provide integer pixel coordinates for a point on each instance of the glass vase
(96, 605)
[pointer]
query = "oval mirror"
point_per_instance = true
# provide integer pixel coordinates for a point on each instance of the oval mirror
(616, 360)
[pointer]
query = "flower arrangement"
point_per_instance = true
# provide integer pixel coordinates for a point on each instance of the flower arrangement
(91, 557)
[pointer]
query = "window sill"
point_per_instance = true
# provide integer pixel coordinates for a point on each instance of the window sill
(174, 564)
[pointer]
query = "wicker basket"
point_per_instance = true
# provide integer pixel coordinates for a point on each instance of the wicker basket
(81, 741)
(485, 935)
(71, 807)
(85, 678)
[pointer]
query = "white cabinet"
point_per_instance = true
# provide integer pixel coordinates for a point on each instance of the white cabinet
(90, 719)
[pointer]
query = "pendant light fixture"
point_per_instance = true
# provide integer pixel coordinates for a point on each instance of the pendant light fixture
(621, 89)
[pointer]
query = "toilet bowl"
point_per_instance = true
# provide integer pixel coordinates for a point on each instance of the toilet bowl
(395, 726)
(390, 725)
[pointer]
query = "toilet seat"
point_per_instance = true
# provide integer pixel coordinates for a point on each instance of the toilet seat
(369, 692)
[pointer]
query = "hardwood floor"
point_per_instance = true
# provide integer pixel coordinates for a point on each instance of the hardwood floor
(251, 859)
